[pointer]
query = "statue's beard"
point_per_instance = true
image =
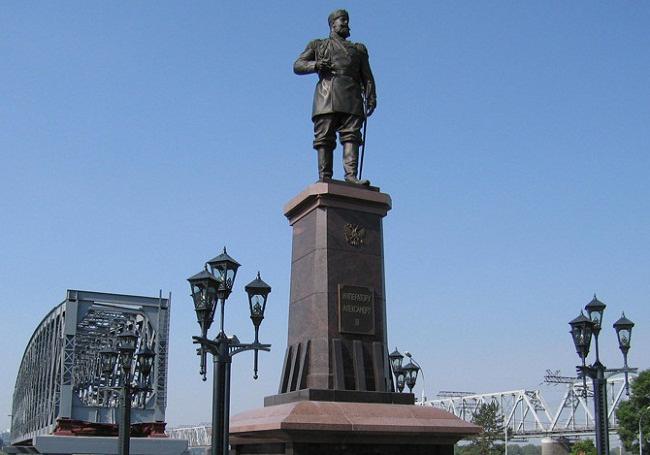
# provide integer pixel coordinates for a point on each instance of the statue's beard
(343, 32)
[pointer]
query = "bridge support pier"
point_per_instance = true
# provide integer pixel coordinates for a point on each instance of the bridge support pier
(553, 446)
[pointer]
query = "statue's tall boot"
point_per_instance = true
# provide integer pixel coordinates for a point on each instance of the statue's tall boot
(324, 163)
(351, 163)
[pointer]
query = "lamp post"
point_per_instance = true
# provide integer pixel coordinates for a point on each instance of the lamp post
(641, 415)
(411, 372)
(410, 356)
(123, 378)
(582, 330)
(404, 374)
(396, 359)
(210, 289)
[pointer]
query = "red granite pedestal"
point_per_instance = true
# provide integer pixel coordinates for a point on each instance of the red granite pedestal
(333, 428)
(337, 318)
(336, 394)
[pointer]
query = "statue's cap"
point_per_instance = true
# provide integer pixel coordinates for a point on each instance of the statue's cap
(336, 14)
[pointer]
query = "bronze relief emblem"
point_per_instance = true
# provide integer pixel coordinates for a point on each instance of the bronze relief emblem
(355, 235)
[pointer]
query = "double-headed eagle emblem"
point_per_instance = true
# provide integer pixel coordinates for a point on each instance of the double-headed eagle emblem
(355, 235)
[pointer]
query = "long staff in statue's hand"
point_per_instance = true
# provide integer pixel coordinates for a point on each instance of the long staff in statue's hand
(363, 140)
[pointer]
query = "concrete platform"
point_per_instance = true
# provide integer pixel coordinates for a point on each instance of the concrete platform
(99, 445)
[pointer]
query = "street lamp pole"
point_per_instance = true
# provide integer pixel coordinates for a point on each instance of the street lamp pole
(219, 428)
(582, 330)
(126, 348)
(641, 414)
(640, 435)
(597, 374)
(123, 357)
(124, 428)
(211, 289)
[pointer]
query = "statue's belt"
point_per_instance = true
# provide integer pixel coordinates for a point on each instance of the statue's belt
(334, 75)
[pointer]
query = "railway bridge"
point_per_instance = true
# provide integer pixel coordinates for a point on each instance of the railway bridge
(526, 413)
(64, 402)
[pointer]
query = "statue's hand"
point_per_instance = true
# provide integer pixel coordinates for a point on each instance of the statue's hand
(371, 108)
(324, 66)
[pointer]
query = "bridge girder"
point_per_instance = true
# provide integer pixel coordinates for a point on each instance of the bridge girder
(526, 413)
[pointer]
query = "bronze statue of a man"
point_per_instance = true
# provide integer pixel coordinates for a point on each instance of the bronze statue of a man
(344, 79)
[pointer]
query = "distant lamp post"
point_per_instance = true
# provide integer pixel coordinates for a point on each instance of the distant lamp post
(258, 291)
(411, 373)
(404, 374)
(395, 358)
(204, 294)
(210, 289)
(123, 378)
(126, 342)
(145, 357)
(583, 328)
(642, 414)
(595, 309)
(581, 332)
(108, 359)
(623, 329)
(423, 397)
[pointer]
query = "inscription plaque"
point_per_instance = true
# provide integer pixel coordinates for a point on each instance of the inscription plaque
(356, 310)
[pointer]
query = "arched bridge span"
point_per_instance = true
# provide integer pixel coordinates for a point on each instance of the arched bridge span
(60, 386)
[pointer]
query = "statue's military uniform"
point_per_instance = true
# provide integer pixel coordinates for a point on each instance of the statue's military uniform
(344, 77)
(338, 98)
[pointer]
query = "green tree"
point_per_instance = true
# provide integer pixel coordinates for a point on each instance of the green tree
(488, 417)
(583, 447)
(635, 412)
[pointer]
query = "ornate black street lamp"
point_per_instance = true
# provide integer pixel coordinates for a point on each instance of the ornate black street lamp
(411, 372)
(404, 374)
(210, 289)
(395, 358)
(423, 398)
(583, 328)
(123, 377)
(623, 329)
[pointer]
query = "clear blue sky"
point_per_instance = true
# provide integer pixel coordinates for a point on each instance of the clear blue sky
(137, 138)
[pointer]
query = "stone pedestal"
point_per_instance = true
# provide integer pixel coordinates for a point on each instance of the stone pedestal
(336, 394)
(337, 317)
(335, 428)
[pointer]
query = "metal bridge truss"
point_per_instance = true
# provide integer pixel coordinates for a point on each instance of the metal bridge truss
(526, 414)
(60, 376)
(196, 436)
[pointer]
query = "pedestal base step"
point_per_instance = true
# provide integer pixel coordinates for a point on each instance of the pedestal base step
(341, 396)
(375, 428)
